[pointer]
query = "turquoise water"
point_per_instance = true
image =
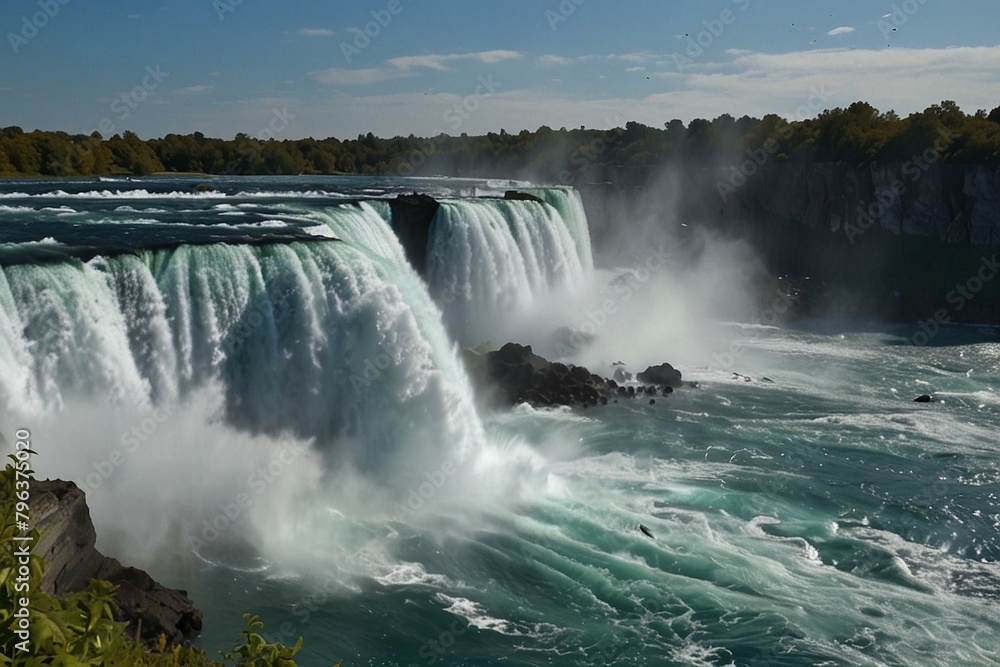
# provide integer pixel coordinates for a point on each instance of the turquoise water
(820, 518)
(299, 440)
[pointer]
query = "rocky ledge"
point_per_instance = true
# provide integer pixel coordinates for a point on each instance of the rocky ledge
(68, 546)
(514, 374)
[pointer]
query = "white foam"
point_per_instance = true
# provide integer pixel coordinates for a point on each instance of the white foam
(321, 231)
(477, 616)
(412, 574)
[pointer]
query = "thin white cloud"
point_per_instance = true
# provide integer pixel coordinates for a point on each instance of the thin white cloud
(316, 32)
(405, 66)
(640, 58)
(554, 60)
(338, 76)
(437, 62)
(194, 90)
(842, 30)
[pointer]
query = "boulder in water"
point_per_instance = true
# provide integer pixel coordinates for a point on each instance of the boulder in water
(521, 376)
(923, 398)
(662, 375)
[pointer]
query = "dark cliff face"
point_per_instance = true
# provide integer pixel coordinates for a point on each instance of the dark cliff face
(412, 216)
(894, 241)
(950, 203)
(67, 544)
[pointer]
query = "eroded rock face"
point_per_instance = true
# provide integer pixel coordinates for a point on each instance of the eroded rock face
(59, 509)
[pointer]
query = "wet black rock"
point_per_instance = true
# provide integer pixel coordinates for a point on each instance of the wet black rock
(662, 375)
(515, 374)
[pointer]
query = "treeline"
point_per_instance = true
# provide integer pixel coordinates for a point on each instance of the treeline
(859, 133)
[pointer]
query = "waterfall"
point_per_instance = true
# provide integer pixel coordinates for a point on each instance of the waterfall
(489, 260)
(334, 341)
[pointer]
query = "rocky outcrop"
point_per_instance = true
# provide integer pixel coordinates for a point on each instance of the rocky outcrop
(68, 547)
(411, 220)
(514, 374)
(514, 195)
(521, 376)
(663, 375)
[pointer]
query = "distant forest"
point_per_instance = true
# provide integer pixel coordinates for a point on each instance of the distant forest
(859, 133)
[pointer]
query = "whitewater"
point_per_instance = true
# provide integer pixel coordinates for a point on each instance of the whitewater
(266, 406)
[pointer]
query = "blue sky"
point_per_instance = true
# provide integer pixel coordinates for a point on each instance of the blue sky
(309, 68)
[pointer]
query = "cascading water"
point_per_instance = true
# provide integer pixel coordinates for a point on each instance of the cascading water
(334, 341)
(490, 263)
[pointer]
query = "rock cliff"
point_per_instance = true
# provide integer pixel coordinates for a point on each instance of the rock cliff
(892, 241)
(67, 544)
